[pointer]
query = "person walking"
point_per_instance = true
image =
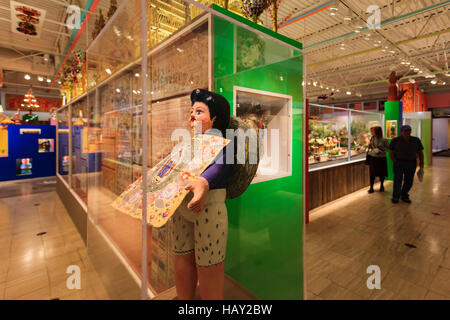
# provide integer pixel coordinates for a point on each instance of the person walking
(404, 151)
(377, 162)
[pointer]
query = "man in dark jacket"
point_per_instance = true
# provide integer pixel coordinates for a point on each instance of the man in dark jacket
(404, 150)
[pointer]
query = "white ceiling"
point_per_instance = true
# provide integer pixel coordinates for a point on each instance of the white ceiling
(418, 31)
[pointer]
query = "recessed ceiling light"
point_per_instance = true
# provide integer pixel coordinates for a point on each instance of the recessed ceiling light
(137, 75)
(349, 92)
(118, 90)
(27, 77)
(41, 78)
(108, 71)
(444, 83)
(433, 81)
(48, 80)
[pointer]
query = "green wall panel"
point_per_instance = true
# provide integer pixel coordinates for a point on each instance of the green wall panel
(264, 251)
(392, 111)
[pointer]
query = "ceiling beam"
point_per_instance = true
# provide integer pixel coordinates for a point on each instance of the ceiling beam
(386, 22)
(399, 43)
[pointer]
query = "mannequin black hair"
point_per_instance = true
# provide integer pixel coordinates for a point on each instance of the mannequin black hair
(218, 107)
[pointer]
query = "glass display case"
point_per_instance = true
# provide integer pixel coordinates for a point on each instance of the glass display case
(137, 83)
(329, 140)
(63, 142)
(79, 160)
(271, 114)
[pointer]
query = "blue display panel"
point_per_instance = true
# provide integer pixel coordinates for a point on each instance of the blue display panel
(24, 160)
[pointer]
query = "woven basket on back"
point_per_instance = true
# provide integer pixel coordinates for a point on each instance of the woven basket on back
(241, 175)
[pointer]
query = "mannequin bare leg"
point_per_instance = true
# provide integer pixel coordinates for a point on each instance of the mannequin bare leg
(185, 276)
(211, 282)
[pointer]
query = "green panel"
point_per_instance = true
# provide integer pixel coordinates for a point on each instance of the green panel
(426, 140)
(258, 27)
(264, 250)
(392, 111)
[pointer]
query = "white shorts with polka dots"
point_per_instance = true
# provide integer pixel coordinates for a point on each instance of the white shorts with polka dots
(204, 233)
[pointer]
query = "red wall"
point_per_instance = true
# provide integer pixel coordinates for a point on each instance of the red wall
(413, 100)
(440, 100)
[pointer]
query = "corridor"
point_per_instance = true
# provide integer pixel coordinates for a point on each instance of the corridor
(409, 242)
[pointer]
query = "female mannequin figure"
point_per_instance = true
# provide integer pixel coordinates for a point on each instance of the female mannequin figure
(200, 224)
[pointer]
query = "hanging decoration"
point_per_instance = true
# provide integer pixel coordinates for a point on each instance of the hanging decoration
(29, 101)
(112, 9)
(99, 24)
(273, 10)
(26, 19)
(289, 16)
(252, 9)
(72, 74)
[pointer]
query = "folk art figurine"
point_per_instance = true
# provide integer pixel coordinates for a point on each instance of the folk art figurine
(395, 94)
(193, 196)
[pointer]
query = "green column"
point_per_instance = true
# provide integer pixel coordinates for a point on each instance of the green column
(392, 112)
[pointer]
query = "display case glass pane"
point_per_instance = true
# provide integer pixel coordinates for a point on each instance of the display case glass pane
(115, 127)
(327, 136)
(176, 69)
(63, 142)
(80, 161)
(360, 132)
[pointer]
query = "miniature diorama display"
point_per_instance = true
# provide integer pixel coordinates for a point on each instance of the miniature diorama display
(24, 166)
(330, 140)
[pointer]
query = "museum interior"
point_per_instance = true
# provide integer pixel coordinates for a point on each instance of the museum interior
(94, 95)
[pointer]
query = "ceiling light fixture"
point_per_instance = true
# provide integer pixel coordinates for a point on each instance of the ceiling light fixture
(48, 80)
(108, 71)
(433, 81)
(27, 77)
(334, 9)
(349, 92)
(348, 16)
(41, 78)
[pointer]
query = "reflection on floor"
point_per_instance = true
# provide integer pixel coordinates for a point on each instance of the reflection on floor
(409, 242)
(33, 265)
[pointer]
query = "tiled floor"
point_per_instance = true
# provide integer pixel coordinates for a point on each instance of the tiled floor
(34, 266)
(409, 242)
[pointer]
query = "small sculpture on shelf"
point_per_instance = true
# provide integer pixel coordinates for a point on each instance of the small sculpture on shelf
(16, 117)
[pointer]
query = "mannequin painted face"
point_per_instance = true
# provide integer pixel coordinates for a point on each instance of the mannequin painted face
(200, 113)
